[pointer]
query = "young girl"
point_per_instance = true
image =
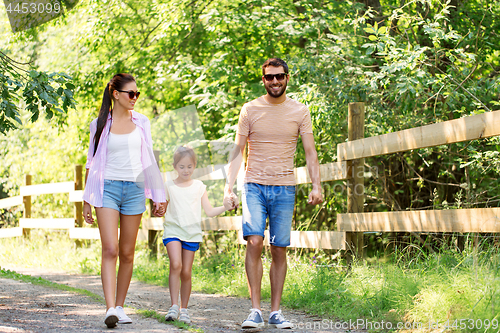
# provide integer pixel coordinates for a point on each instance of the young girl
(182, 228)
(121, 173)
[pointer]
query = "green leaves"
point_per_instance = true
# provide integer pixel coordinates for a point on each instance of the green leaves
(36, 91)
(375, 29)
(412, 63)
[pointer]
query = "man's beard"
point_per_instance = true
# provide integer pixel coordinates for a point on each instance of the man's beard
(278, 93)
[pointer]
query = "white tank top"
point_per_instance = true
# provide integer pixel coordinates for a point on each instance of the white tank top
(123, 158)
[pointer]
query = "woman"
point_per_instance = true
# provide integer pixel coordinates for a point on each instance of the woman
(121, 173)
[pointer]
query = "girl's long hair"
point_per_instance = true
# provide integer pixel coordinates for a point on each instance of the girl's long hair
(116, 83)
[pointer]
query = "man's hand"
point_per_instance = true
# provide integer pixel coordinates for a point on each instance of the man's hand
(230, 198)
(228, 203)
(87, 213)
(316, 196)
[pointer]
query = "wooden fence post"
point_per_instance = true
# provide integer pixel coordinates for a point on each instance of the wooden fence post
(27, 205)
(78, 210)
(153, 234)
(356, 186)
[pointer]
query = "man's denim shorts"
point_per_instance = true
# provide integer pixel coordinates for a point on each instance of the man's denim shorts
(268, 201)
(190, 246)
(126, 197)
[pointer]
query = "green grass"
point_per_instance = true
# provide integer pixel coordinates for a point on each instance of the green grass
(408, 286)
(161, 319)
(8, 274)
(50, 250)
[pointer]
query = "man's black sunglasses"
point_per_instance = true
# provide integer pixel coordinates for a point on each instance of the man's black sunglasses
(131, 94)
(279, 77)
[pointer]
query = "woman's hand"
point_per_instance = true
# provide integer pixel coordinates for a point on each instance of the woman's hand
(87, 213)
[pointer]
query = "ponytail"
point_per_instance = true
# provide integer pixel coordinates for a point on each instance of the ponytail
(103, 116)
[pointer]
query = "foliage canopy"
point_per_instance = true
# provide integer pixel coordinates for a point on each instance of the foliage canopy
(412, 63)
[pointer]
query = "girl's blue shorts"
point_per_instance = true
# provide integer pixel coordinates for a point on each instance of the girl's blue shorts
(190, 246)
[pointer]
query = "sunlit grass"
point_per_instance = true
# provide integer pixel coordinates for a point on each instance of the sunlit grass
(54, 250)
(8, 274)
(408, 286)
(160, 318)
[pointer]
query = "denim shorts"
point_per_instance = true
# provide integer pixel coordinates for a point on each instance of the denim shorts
(190, 246)
(126, 197)
(268, 201)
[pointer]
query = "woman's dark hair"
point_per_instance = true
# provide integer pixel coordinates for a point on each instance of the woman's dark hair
(116, 83)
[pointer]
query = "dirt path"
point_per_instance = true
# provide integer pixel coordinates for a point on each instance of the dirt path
(30, 308)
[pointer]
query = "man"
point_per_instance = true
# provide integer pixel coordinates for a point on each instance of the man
(271, 125)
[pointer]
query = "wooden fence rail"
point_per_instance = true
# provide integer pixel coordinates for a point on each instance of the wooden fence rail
(10, 202)
(481, 220)
(457, 130)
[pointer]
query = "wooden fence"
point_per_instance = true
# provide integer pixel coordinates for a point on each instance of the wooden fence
(351, 225)
(478, 220)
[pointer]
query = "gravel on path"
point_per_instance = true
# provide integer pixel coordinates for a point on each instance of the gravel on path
(25, 307)
(31, 308)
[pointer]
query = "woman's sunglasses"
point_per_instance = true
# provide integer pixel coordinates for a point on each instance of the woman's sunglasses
(131, 94)
(279, 77)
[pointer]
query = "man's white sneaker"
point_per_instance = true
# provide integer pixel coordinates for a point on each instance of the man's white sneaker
(122, 317)
(278, 320)
(111, 318)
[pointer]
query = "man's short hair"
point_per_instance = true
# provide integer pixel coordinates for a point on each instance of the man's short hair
(275, 62)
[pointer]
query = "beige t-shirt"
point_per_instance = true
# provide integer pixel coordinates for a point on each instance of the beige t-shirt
(183, 216)
(272, 131)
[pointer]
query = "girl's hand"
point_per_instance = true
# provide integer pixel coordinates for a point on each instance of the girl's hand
(87, 213)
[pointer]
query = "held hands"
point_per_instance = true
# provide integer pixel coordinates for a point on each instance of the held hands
(231, 200)
(87, 213)
(160, 208)
(315, 197)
